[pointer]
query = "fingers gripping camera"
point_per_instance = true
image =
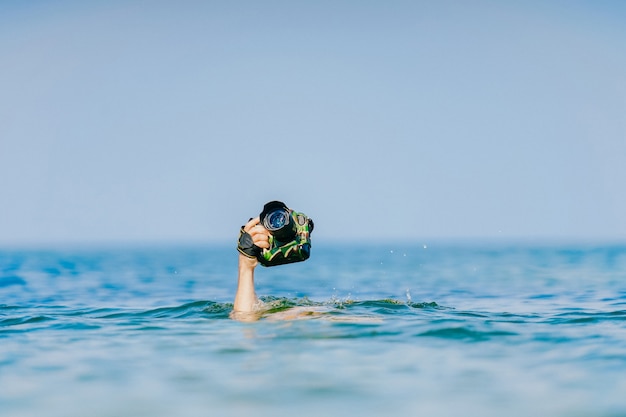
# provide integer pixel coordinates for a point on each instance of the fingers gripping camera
(290, 236)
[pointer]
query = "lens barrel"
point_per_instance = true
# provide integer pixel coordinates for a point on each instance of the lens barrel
(277, 219)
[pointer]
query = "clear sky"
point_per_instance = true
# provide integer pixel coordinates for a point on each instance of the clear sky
(169, 121)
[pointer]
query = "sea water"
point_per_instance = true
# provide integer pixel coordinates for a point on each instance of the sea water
(379, 330)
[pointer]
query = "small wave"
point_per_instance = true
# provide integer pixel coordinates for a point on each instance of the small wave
(16, 321)
(465, 333)
(587, 317)
(24, 319)
(195, 309)
(190, 310)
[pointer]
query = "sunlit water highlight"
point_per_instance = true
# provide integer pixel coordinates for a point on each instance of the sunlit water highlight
(370, 331)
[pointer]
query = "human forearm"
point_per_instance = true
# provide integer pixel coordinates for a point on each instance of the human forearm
(245, 298)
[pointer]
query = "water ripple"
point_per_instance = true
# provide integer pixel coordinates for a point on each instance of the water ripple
(465, 333)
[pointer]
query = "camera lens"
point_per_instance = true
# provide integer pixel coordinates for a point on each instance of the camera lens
(277, 219)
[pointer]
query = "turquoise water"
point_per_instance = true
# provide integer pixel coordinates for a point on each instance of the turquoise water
(445, 330)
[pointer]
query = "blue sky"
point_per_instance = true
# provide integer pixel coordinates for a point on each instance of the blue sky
(136, 121)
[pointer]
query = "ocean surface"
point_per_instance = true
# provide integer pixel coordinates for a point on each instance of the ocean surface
(440, 329)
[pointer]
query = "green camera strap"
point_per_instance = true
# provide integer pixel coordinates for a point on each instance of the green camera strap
(297, 250)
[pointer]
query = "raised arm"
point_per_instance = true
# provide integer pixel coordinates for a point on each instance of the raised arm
(245, 298)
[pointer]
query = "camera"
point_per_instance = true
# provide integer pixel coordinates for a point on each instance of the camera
(290, 235)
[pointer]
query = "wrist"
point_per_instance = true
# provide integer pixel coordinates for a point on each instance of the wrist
(246, 262)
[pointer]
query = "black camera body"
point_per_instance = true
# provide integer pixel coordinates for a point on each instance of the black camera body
(290, 235)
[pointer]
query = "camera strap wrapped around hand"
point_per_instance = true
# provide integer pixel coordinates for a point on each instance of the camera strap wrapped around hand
(246, 246)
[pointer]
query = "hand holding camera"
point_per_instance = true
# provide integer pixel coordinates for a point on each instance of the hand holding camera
(289, 236)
